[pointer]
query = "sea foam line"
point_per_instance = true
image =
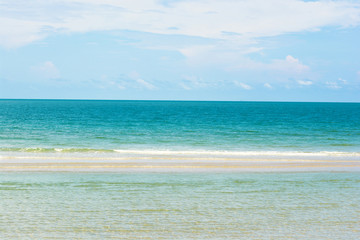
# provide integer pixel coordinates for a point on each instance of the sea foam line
(205, 152)
(237, 153)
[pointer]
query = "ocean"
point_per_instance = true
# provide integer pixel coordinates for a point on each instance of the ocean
(76, 169)
(115, 126)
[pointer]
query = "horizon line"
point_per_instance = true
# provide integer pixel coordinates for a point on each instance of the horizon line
(172, 100)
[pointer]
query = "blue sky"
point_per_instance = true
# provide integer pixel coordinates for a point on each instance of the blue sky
(242, 50)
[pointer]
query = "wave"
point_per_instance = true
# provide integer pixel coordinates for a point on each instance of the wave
(54, 150)
(238, 153)
(187, 152)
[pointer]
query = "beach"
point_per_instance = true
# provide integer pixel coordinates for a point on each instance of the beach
(178, 119)
(179, 195)
(179, 170)
(173, 161)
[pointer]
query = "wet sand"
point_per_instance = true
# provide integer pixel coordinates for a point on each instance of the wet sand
(176, 165)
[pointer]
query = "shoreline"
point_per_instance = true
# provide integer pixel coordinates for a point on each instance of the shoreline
(183, 166)
(176, 161)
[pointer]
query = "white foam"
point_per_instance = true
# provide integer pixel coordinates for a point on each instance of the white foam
(238, 153)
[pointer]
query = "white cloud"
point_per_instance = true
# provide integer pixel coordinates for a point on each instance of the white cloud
(107, 82)
(229, 54)
(47, 70)
(184, 86)
(26, 21)
(15, 33)
(145, 84)
(337, 84)
(343, 81)
(333, 85)
(135, 76)
(289, 66)
(189, 82)
(195, 51)
(242, 85)
(268, 85)
(305, 83)
(225, 31)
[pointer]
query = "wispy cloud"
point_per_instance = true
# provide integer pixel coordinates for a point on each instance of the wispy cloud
(305, 82)
(340, 83)
(333, 85)
(342, 80)
(189, 82)
(185, 86)
(128, 81)
(242, 85)
(290, 66)
(268, 85)
(145, 84)
(227, 37)
(46, 70)
(229, 20)
(108, 82)
(140, 82)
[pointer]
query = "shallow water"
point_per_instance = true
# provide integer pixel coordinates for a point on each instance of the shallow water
(179, 205)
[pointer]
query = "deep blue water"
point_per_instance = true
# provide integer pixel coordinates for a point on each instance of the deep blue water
(46, 125)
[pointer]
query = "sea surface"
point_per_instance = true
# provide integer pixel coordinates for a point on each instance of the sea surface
(167, 204)
(29, 126)
(63, 205)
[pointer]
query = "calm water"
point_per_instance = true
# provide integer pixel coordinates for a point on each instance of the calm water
(211, 205)
(180, 206)
(86, 126)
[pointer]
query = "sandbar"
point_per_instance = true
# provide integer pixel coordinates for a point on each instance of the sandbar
(173, 164)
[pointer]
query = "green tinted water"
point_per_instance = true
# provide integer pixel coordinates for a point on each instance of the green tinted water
(180, 206)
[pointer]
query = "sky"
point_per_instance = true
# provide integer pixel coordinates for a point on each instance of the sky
(236, 50)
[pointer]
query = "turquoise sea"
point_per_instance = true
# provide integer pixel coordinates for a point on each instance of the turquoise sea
(167, 204)
(110, 126)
